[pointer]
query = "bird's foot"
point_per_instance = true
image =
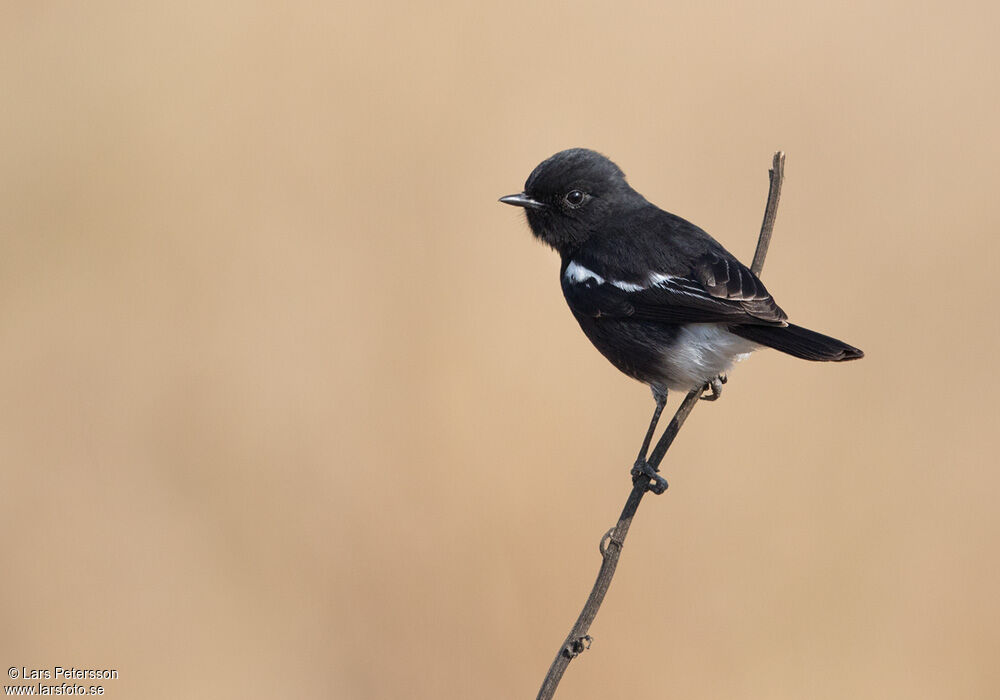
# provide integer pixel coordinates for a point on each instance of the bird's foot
(643, 470)
(714, 386)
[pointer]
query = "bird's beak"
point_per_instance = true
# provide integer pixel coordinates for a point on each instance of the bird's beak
(522, 200)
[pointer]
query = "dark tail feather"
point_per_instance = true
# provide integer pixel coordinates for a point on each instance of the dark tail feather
(800, 342)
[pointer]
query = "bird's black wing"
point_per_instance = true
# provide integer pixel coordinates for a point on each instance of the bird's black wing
(716, 289)
(727, 279)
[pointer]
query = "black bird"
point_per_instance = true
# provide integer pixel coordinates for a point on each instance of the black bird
(659, 297)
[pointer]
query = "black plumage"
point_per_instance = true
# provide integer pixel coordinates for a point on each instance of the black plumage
(659, 297)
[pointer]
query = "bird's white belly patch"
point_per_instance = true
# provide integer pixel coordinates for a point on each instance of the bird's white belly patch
(703, 351)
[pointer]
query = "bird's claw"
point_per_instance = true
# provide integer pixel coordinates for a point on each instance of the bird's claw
(715, 387)
(643, 470)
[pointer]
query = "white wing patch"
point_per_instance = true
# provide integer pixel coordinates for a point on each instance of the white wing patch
(578, 274)
(681, 285)
(657, 279)
(627, 286)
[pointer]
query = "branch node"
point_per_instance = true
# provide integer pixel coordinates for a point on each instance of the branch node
(645, 476)
(657, 487)
(577, 646)
(607, 540)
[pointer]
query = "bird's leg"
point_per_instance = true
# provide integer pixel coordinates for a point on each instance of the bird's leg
(641, 468)
(660, 396)
(715, 386)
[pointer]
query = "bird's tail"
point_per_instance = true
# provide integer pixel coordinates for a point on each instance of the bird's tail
(800, 342)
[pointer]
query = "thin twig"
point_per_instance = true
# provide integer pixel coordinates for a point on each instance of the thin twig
(611, 545)
(777, 176)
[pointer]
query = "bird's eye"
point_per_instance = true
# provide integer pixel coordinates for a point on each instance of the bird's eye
(574, 198)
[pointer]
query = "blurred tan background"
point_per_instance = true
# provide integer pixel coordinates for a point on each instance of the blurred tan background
(290, 406)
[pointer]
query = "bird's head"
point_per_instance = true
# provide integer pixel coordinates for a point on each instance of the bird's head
(568, 196)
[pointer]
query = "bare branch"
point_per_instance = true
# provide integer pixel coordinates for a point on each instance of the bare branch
(613, 541)
(777, 175)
